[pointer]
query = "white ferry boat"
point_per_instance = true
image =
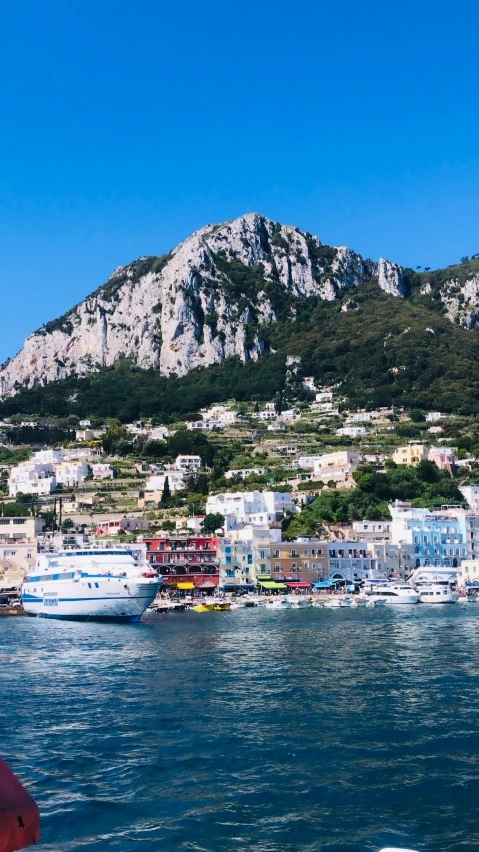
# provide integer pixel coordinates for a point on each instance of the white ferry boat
(101, 582)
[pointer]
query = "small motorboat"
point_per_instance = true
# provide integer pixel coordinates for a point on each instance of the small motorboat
(337, 602)
(203, 607)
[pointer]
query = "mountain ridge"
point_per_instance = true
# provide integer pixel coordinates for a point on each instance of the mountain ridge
(192, 306)
(219, 294)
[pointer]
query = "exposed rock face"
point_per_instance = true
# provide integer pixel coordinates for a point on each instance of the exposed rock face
(462, 301)
(390, 277)
(198, 305)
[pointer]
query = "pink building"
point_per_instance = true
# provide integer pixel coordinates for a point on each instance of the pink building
(443, 457)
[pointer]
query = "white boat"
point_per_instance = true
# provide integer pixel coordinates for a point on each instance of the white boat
(359, 601)
(101, 582)
(437, 593)
(297, 601)
(337, 602)
(277, 603)
(394, 593)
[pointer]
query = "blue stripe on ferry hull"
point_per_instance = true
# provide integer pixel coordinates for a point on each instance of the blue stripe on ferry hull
(115, 619)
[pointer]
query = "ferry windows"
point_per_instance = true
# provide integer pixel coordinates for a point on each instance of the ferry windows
(89, 585)
(96, 584)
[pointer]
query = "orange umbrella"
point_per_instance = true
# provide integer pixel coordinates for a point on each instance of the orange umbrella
(19, 814)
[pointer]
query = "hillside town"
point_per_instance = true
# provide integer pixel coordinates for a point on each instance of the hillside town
(230, 512)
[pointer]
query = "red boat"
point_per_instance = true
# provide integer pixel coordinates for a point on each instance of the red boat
(19, 814)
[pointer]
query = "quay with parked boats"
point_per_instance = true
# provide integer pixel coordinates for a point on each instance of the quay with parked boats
(375, 593)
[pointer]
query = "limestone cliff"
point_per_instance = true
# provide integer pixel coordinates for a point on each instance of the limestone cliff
(203, 302)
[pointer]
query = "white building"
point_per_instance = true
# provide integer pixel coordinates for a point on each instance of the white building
(324, 396)
(352, 431)
(246, 471)
(350, 560)
(102, 471)
(308, 462)
(188, 463)
(397, 559)
(434, 416)
(117, 526)
(89, 434)
(71, 473)
(252, 507)
(360, 417)
(276, 427)
(289, 414)
(468, 572)
(371, 529)
(205, 425)
(337, 467)
(20, 529)
(156, 483)
(85, 453)
(267, 414)
(48, 457)
(158, 433)
(471, 494)
(31, 478)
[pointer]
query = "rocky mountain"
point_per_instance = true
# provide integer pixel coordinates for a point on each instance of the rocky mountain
(208, 299)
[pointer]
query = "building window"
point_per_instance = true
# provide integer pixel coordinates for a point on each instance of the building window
(295, 566)
(305, 551)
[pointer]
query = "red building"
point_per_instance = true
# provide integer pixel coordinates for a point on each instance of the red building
(186, 562)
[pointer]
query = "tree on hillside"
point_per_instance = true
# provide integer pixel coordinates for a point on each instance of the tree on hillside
(166, 493)
(417, 416)
(212, 522)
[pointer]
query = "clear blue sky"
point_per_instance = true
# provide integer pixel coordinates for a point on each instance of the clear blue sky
(127, 125)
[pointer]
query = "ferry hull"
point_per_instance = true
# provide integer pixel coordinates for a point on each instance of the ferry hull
(91, 599)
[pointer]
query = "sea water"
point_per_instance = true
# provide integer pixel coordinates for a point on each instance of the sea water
(248, 730)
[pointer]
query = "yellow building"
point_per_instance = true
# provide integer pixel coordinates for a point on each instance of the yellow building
(411, 454)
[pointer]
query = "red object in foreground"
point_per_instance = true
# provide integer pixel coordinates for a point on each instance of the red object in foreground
(19, 814)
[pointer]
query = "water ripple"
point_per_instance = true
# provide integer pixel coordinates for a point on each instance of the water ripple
(300, 730)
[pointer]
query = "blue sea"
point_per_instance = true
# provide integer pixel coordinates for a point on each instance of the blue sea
(251, 730)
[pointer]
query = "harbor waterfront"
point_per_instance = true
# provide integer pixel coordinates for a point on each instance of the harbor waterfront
(296, 730)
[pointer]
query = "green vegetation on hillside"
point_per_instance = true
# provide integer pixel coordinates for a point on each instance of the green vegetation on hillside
(381, 350)
(126, 392)
(385, 351)
(424, 486)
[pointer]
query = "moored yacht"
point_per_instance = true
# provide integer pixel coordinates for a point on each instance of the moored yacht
(393, 593)
(437, 593)
(102, 581)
